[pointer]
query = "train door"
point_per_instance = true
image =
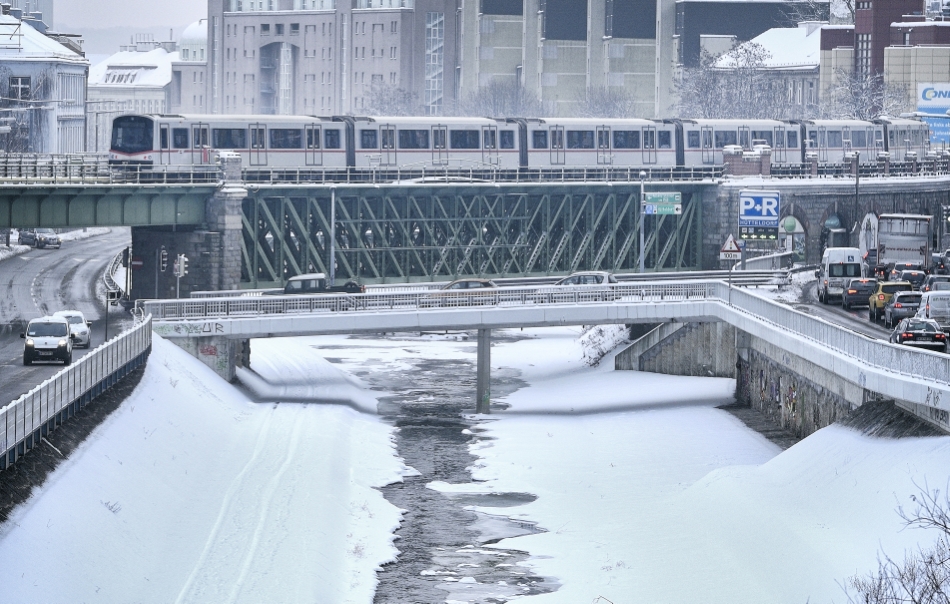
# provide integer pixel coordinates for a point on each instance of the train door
(164, 144)
(258, 146)
(779, 149)
(878, 140)
(387, 145)
(440, 156)
(604, 156)
(490, 145)
(649, 144)
(557, 145)
(847, 143)
(822, 144)
(200, 151)
(745, 138)
(706, 142)
(314, 151)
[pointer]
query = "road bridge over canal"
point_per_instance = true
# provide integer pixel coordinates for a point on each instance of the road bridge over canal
(744, 333)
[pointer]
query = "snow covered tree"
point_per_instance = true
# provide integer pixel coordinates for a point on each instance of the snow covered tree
(500, 98)
(606, 101)
(863, 97)
(385, 99)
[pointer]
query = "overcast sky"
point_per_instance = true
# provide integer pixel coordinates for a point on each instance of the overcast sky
(79, 14)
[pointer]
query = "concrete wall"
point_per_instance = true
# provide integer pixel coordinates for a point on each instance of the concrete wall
(698, 349)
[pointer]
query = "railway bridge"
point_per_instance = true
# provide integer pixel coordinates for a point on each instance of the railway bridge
(246, 230)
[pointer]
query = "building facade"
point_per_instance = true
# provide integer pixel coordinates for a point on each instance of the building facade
(42, 91)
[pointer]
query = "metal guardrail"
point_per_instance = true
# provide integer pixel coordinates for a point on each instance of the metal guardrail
(745, 278)
(29, 418)
(888, 358)
(107, 278)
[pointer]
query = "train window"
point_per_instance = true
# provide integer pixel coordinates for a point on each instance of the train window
(692, 139)
(603, 139)
(744, 139)
(491, 141)
(664, 139)
(580, 139)
(438, 135)
(286, 138)
(164, 138)
(179, 138)
(369, 139)
(649, 138)
(413, 139)
(626, 139)
(539, 139)
(859, 139)
(331, 139)
(762, 135)
(388, 138)
(725, 137)
(229, 138)
(464, 139)
(812, 139)
(792, 138)
(834, 139)
(257, 138)
(200, 138)
(507, 139)
(313, 137)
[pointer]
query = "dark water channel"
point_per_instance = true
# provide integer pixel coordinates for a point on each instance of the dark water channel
(440, 541)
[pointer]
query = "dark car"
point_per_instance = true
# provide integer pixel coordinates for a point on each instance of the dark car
(901, 306)
(931, 280)
(938, 265)
(922, 333)
(894, 273)
(40, 238)
(915, 278)
(857, 293)
(317, 283)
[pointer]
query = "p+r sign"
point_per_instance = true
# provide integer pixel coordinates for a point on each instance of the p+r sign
(759, 213)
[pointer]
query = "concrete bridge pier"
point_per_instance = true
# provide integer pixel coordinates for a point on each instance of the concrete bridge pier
(221, 354)
(483, 381)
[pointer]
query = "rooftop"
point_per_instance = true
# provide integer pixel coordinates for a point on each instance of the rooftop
(790, 47)
(20, 40)
(134, 69)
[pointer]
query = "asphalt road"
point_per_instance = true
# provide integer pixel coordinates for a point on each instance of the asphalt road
(42, 282)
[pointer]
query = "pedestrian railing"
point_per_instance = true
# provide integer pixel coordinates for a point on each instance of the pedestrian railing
(25, 421)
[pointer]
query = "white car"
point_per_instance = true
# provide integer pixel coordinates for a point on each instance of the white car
(47, 339)
(78, 326)
(588, 278)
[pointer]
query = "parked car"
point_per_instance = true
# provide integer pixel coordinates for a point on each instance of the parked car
(921, 333)
(916, 278)
(47, 339)
(462, 292)
(882, 295)
(935, 305)
(931, 279)
(857, 292)
(78, 326)
(588, 278)
(901, 306)
(40, 238)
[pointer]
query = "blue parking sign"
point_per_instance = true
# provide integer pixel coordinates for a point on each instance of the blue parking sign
(759, 213)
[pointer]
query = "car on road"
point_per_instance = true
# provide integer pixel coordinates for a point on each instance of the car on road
(39, 238)
(935, 305)
(920, 333)
(78, 325)
(894, 273)
(47, 339)
(588, 278)
(916, 278)
(462, 292)
(901, 306)
(931, 279)
(938, 264)
(857, 292)
(317, 283)
(882, 295)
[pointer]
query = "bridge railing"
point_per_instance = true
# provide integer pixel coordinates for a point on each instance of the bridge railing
(26, 420)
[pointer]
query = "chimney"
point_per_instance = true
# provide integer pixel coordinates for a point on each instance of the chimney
(5, 9)
(17, 13)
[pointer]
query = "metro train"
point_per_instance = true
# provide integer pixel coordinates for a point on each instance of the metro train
(179, 142)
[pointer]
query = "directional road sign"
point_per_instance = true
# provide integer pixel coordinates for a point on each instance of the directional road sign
(663, 203)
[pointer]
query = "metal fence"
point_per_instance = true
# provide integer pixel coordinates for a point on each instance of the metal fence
(29, 418)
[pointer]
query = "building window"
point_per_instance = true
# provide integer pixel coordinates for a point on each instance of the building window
(295, 29)
(280, 29)
(906, 38)
(20, 88)
(265, 29)
(863, 54)
(435, 40)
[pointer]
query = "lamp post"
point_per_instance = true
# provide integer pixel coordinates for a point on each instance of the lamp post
(332, 236)
(643, 175)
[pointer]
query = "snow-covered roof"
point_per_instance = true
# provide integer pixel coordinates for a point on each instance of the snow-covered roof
(837, 26)
(21, 40)
(797, 48)
(921, 24)
(134, 69)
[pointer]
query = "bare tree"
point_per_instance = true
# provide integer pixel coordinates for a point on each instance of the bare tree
(863, 96)
(25, 115)
(607, 101)
(385, 99)
(500, 98)
(923, 576)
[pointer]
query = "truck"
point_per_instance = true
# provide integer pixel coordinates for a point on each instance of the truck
(889, 239)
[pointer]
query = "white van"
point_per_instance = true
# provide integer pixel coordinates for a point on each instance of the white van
(936, 305)
(838, 266)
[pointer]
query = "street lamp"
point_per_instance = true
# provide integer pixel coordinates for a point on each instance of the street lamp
(643, 175)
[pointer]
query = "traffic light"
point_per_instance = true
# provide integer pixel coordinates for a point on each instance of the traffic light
(164, 259)
(182, 265)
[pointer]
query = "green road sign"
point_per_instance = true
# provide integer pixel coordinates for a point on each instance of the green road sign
(663, 197)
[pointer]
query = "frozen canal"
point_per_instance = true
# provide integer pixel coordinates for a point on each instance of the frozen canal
(584, 483)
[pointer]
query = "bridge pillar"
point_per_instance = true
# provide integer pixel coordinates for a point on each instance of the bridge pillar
(220, 354)
(483, 381)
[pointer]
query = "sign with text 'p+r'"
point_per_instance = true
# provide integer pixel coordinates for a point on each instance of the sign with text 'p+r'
(759, 213)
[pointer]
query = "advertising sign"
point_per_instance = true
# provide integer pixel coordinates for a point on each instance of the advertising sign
(759, 212)
(935, 99)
